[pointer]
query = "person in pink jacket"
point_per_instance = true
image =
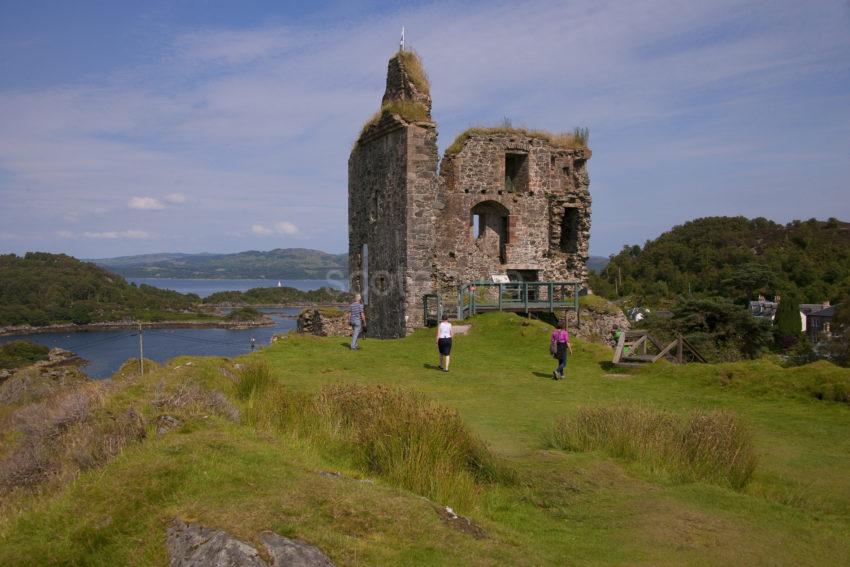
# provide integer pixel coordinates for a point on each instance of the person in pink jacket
(559, 345)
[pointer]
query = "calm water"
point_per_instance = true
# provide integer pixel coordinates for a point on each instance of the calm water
(106, 351)
(205, 288)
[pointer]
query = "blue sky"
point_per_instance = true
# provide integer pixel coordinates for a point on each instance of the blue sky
(136, 127)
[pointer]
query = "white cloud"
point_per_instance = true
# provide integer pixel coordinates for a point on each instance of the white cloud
(145, 204)
(261, 230)
(283, 227)
(286, 228)
(175, 198)
(118, 234)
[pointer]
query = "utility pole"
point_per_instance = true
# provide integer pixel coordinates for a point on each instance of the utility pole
(141, 351)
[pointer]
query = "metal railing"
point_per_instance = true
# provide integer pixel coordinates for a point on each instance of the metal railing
(525, 297)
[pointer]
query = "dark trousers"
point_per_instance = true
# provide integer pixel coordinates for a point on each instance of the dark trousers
(561, 356)
(562, 362)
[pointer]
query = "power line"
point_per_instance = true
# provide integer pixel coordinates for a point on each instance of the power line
(195, 339)
(101, 341)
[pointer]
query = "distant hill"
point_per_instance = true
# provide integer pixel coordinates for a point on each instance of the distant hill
(282, 263)
(737, 258)
(143, 258)
(597, 263)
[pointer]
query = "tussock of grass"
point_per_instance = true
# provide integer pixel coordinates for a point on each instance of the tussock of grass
(254, 378)
(331, 311)
(132, 368)
(402, 437)
(576, 139)
(191, 399)
(412, 64)
(713, 446)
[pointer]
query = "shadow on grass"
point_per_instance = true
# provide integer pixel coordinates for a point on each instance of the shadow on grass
(543, 374)
(611, 368)
(431, 366)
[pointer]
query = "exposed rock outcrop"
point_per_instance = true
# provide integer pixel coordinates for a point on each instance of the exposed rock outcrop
(193, 545)
(598, 323)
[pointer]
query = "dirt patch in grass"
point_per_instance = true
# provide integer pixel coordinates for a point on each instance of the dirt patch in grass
(460, 523)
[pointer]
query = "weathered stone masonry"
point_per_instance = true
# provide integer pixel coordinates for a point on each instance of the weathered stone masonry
(509, 202)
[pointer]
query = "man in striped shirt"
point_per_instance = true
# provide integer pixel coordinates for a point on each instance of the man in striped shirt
(358, 320)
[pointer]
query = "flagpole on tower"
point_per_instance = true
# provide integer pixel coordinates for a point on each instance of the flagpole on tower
(401, 43)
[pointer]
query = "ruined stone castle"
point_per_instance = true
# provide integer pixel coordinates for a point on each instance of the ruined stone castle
(503, 202)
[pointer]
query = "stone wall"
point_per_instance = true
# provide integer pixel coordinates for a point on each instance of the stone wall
(324, 322)
(555, 178)
(597, 325)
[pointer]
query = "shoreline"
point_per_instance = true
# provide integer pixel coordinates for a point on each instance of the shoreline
(121, 325)
(275, 305)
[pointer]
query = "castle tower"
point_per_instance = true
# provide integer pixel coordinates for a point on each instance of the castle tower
(392, 191)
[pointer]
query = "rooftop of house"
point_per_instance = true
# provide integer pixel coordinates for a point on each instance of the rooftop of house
(824, 312)
(811, 308)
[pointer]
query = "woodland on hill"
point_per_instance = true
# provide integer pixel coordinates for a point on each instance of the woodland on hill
(41, 288)
(736, 258)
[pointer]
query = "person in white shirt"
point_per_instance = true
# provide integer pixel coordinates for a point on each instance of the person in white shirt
(444, 342)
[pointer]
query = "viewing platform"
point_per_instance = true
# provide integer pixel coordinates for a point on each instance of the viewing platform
(518, 297)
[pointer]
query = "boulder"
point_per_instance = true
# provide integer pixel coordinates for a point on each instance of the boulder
(193, 545)
(287, 552)
(166, 423)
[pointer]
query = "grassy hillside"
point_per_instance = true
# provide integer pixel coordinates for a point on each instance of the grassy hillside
(736, 258)
(484, 439)
(288, 263)
(40, 288)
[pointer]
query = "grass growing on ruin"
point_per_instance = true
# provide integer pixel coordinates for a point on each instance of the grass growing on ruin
(409, 110)
(412, 64)
(576, 139)
(599, 304)
(713, 446)
(355, 452)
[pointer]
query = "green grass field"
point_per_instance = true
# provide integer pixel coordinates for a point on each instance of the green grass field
(546, 506)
